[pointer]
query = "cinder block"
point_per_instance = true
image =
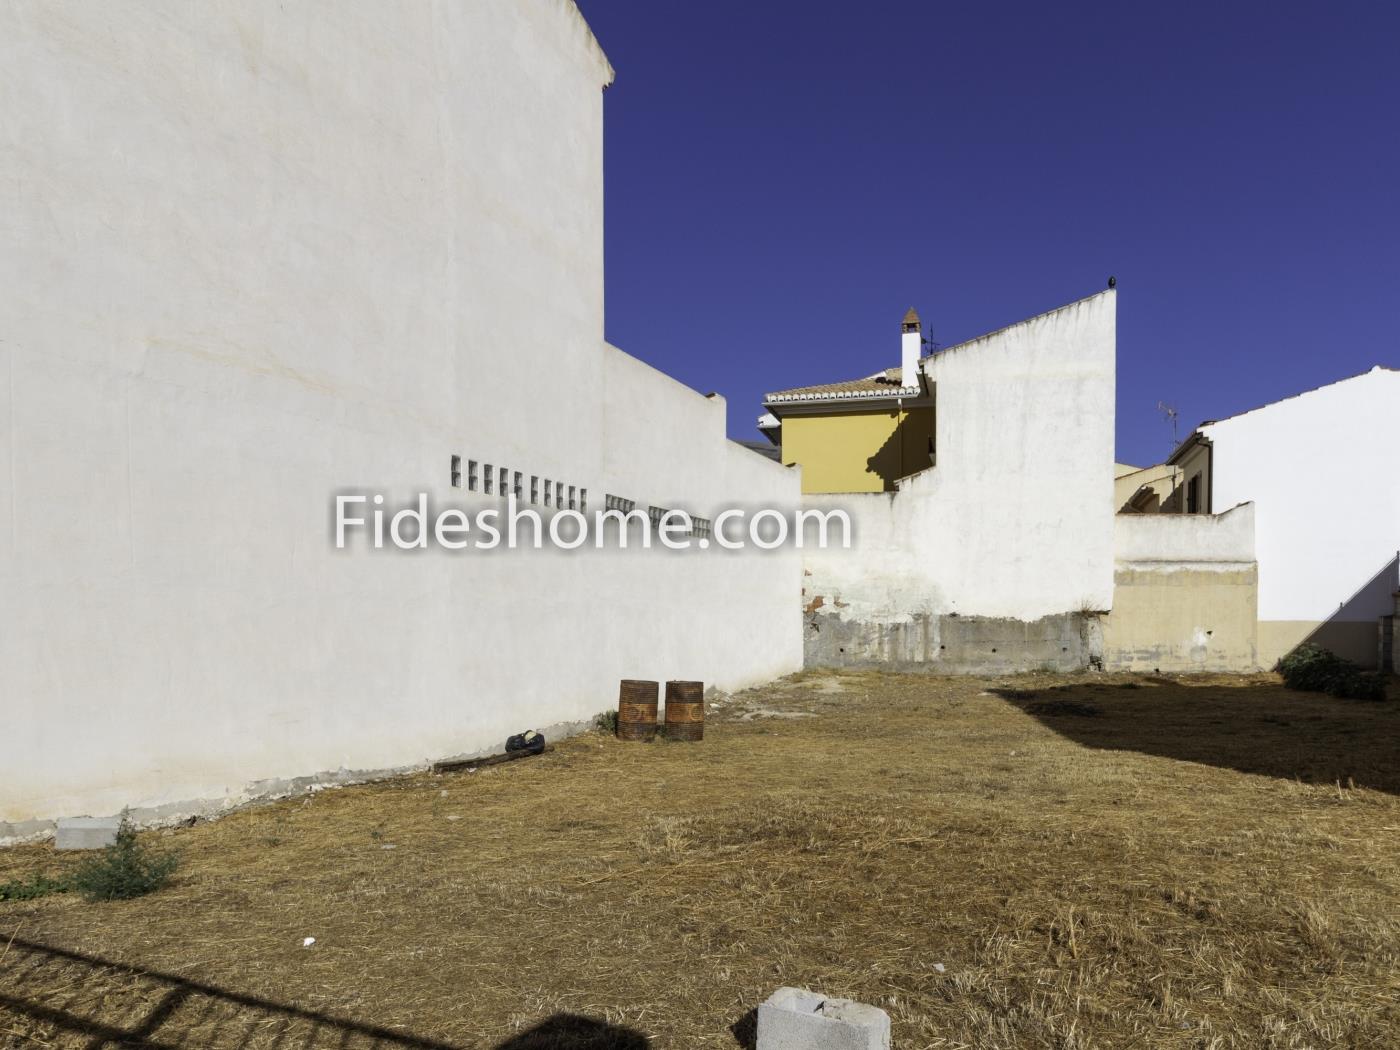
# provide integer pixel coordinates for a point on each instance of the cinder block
(86, 832)
(796, 1019)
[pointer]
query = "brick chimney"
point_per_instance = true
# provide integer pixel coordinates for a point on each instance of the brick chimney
(912, 345)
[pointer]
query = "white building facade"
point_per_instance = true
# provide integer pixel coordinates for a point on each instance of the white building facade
(991, 558)
(1321, 470)
(255, 254)
(1007, 554)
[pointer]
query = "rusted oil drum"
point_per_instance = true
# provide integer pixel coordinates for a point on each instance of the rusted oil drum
(685, 710)
(636, 710)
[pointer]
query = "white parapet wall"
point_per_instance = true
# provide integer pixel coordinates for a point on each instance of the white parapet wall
(991, 558)
(1173, 541)
(1185, 593)
(259, 253)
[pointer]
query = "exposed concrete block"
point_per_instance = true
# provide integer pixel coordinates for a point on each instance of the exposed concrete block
(952, 644)
(796, 1019)
(86, 832)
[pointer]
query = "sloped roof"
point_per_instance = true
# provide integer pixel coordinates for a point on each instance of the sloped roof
(1197, 435)
(889, 383)
(609, 74)
(1373, 370)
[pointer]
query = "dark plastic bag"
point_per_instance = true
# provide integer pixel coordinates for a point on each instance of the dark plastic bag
(529, 741)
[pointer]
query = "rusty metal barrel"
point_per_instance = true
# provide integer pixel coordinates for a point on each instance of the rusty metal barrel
(636, 710)
(685, 710)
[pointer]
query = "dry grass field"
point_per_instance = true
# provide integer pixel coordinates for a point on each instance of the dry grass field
(1107, 861)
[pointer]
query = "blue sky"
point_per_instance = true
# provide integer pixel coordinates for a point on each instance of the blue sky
(785, 178)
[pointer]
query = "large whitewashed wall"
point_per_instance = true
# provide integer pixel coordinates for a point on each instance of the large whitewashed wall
(254, 253)
(1321, 471)
(1013, 524)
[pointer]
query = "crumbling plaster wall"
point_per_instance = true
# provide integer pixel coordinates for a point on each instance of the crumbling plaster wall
(1001, 554)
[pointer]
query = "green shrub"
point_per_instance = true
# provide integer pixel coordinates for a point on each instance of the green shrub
(606, 721)
(124, 869)
(37, 886)
(1322, 671)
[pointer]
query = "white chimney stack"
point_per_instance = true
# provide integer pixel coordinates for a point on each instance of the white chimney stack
(912, 343)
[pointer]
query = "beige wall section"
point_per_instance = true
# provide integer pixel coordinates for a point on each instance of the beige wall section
(1353, 640)
(852, 451)
(1182, 619)
(1194, 462)
(1185, 593)
(1159, 481)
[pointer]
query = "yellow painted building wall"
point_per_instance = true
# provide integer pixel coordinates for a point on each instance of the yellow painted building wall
(858, 451)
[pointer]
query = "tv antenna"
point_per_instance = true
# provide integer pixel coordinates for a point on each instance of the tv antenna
(1169, 413)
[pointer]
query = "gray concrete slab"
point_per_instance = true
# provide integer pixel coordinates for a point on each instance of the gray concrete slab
(86, 832)
(798, 1019)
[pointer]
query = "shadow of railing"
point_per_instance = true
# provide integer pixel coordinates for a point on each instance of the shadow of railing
(1265, 730)
(94, 1002)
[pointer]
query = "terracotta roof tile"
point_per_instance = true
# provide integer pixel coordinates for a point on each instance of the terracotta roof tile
(888, 383)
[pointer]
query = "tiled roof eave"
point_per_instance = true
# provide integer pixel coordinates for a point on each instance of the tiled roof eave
(843, 395)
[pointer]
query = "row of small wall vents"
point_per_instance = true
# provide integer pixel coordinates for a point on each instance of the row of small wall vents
(502, 481)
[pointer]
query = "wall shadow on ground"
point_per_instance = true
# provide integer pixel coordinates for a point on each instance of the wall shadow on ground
(1265, 730)
(52, 993)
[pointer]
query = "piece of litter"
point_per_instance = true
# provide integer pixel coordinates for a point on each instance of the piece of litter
(940, 967)
(307, 942)
(454, 816)
(443, 792)
(388, 845)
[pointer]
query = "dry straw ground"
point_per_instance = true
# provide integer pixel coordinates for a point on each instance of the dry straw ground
(1031, 862)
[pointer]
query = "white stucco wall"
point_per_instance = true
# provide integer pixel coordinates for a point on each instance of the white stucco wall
(254, 253)
(1182, 540)
(1321, 471)
(1016, 519)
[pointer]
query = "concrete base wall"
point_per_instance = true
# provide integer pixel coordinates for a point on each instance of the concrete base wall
(952, 644)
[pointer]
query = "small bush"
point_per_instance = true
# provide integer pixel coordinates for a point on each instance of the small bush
(1322, 671)
(37, 886)
(606, 721)
(124, 869)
